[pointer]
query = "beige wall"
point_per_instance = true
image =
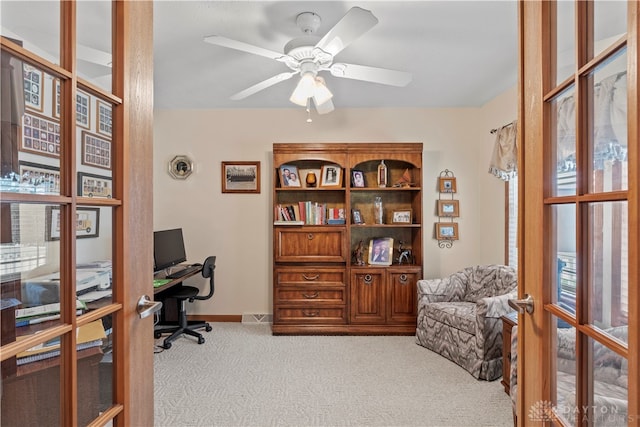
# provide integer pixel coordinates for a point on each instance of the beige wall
(237, 227)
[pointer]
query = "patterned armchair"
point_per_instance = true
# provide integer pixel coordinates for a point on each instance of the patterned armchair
(459, 317)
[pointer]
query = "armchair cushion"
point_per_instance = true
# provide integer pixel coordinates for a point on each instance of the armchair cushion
(459, 317)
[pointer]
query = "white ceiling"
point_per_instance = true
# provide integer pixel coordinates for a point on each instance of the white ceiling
(461, 53)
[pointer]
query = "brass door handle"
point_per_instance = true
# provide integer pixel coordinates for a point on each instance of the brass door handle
(311, 296)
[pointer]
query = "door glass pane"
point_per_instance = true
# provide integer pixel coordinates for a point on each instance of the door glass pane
(565, 257)
(609, 389)
(95, 369)
(565, 40)
(35, 25)
(610, 23)
(608, 263)
(564, 342)
(608, 125)
(563, 143)
(31, 134)
(29, 260)
(93, 261)
(94, 42)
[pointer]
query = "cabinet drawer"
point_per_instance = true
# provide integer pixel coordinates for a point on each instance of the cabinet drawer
(311, 315)
(310, 276)
(310, 295)
(311, 244)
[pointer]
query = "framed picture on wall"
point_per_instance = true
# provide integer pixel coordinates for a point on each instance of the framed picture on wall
(83, 109)
(447, 184)
(240, 177)
(33, 84)
(90, 185)
(447, 230)
(40, 176)
(96, 150)
(87, 223)
(448, 208)
(103, 118)
(40, 135)
(55, 107)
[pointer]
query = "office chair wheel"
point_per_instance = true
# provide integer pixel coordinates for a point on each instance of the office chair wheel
(200, 340)
(208, 328)
(166, 345)
(157, 335)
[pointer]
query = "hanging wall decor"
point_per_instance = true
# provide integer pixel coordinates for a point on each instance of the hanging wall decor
(446, 231)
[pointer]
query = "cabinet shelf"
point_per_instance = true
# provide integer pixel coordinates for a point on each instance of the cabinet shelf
(317, 286)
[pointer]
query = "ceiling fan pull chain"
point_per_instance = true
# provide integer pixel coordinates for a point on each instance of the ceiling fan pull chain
(309, 110)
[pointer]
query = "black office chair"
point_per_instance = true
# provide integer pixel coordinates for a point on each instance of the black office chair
(182, 294)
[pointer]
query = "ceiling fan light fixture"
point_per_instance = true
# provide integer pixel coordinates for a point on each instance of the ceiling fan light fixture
(321, 94)
(304, 90)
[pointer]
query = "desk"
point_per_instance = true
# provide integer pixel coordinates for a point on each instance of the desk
(164, 273)
(169, 313)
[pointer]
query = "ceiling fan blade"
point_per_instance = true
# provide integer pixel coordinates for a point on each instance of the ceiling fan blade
(263, 85)
(245, 47)
(371, 74)
(325, 107)
(353, 24)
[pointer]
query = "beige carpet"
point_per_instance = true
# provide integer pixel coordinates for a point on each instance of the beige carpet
(244, 376)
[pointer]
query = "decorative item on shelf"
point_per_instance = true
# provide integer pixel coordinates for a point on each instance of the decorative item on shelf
(447, 232)
(358, 254)
(405, 180)
(357, 217)
(381, 251)
(404, 254)
(180, 167)
(357, 179)
(382, 174)
(311, 180)
(378, 210)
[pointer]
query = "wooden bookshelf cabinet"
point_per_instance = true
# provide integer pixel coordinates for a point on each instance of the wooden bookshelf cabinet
(318, 286)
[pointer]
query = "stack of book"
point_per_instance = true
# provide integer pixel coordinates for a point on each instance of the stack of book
(310, 213)
(89, 335)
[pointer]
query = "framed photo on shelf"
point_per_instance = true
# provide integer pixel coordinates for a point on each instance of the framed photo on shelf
(447, 230)
(448, 208)
(83, 109)
(289, 176)
(33, 84)
(381, 251)
(447, 184)
(331, 176)
(96, 150)
(356, 216)
(103, 118)
(40, 135)
(96, 186)
(401, 216)
(357, 179)
(87, 223)
(37, 175)
(240, 177)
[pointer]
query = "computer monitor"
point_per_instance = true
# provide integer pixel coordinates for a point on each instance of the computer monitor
(168, 248)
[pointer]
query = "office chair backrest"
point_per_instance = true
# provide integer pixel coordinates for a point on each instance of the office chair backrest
(207, 272)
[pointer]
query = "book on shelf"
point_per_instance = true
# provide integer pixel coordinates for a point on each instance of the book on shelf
(89, 335)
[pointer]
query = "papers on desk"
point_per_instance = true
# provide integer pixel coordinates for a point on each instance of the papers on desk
(89, 335)
(94, 295)
(43, 313)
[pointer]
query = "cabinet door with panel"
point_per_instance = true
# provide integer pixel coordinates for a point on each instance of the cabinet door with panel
(368, 296)
(402, 294)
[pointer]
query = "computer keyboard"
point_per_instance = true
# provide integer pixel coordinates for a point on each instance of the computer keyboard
(181, 273)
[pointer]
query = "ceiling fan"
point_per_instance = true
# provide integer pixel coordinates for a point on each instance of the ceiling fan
(308, 55)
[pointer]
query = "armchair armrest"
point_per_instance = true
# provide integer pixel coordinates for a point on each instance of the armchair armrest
(496, 306)
(437, 290)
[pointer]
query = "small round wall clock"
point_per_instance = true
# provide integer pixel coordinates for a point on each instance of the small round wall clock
(180, 167)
